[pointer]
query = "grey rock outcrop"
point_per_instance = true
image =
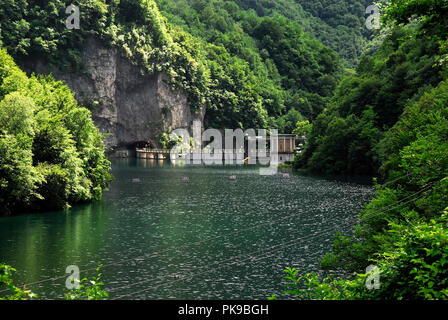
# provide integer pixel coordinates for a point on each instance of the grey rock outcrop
(128, 105)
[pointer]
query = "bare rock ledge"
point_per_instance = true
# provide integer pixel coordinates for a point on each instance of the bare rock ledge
(126, 105)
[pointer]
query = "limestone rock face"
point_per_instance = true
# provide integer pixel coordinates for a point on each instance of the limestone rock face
(126, 104)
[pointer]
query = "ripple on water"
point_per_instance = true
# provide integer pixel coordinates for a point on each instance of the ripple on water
(208, 237)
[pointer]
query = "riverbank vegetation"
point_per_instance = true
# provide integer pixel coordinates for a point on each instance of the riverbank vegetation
(390, 119)
(88, 289)
(7, 283)
(52, 155)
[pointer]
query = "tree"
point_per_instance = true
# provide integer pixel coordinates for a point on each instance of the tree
(52, 153)
(19, 179)
(433, 16)
(303, 128)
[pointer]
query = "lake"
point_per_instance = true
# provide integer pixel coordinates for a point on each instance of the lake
(165, 231)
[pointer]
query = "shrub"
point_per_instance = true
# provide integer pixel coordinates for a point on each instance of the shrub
(52, 153)
(16, 293)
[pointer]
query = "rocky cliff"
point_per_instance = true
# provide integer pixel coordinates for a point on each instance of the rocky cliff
(126, 104)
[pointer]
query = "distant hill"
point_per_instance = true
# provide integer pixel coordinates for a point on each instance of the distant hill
(338, 24)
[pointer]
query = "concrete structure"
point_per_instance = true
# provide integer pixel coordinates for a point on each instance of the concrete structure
(286, 148)
(286, 151)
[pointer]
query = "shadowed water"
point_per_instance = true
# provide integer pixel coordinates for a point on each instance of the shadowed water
(186, 232)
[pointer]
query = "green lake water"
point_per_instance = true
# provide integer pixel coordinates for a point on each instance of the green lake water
(185, 232)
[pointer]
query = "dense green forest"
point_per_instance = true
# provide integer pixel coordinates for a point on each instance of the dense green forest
(52, 155)
(390, 119)
(338, 24)
(295, 75)
(349, 136)
(292, 74)
(352, 136)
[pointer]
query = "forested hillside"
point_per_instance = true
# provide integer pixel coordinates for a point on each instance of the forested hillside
(402, 232)
(338, 24)
(275, 39)
(252, 64)
(291, 73)
(32, 30)
(390, 119)
(347, 137)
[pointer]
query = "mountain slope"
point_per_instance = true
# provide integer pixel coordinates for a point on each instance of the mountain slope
(338, 24)
(346, 137)
(292, 71)
(244, 70)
